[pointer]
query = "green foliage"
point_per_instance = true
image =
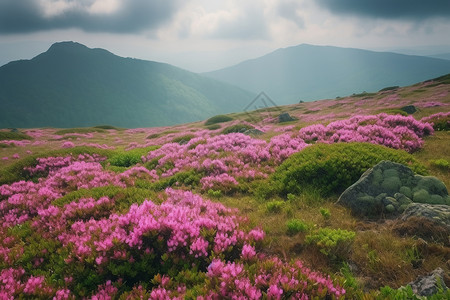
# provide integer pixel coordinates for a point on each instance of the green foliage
(79, 130)
(122, 158)
(331, 168)
(325, 213)
(213, 127)
(189, 178)
(393, 111)
(334, 243)
(237, 128)
(294, 226)
(153, 136)
(274, 206)
(441, 163)
(12, 135)
(218, 119)
(123, 197)
(183, 139)
(389, 88)
(214, 193)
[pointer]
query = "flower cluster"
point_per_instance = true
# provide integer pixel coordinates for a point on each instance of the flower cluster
(393, 131)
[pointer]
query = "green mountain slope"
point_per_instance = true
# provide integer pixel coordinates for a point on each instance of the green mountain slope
(71, 85)
(307, 72)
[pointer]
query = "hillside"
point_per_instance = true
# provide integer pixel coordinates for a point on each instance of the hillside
(203, 210)
(71, 85)
(308, 72)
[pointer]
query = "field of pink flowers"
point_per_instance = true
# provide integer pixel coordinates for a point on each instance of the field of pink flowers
(123, 221)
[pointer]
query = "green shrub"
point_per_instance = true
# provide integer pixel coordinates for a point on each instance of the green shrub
(274, 206)
(294, 226)
(325, 213)
(334, 243)
(214, 193)
(393, 111)
(331, 168)
(79, 130)
(153, 136)
(218, 119)
(237, 128)
(213, 127)
(189, 179)
(129, 158)
(389, 88)
(183, 139)
(16, 136)
(441, 163)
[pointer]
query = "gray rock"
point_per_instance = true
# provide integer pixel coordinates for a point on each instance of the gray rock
(409, 109)
(388, 188)
(253, 132)
(428, 285)
(285, 117)
(439, 214)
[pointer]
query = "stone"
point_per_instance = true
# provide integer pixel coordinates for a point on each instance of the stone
(253, 132)
(285, 117)
(388, 188)
(439, 214)
(428, 285)
(409, 109)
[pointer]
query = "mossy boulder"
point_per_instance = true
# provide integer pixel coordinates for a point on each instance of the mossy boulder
(389, 188)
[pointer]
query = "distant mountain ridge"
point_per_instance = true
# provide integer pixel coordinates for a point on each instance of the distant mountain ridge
(71, 85)
(307, 72)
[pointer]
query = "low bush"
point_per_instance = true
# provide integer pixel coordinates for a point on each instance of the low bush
(389, 88)
(218, 119)
(183, 139)
(129, 158)
(16, 136)
(238, 128)
(294, 226)
(331, 168)
(441, 163)
(213, 127)
(440, 121)
(334, 243)
(274, 206)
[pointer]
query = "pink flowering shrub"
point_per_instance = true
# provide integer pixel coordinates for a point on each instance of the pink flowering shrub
(439, 121)
(394, 131)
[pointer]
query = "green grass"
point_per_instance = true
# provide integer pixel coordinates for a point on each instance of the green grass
(16, 136)
(80, 130)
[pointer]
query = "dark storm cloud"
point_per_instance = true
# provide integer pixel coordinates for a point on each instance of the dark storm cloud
(390, 9)
(23, 16)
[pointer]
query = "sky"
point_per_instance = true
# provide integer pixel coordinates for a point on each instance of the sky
(205, 35)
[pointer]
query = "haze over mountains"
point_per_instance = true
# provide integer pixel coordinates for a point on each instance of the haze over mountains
(308, 72)
(71, 85)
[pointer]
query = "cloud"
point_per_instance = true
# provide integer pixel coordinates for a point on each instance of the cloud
(115, 16)
(389, 9)
(289, 10)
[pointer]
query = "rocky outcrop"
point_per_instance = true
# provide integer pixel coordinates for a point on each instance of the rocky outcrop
(388, 188)
(285, 117)
(428, 285)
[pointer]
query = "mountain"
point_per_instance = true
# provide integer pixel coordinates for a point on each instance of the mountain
(71, 85)
(441, 56)
(307, 72)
